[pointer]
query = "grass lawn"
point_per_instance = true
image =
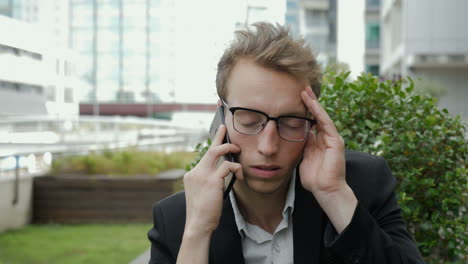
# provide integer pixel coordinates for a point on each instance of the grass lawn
(70, 244)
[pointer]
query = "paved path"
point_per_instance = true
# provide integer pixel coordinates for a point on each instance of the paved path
(142, 259)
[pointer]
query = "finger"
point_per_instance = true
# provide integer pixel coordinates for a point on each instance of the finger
(323, 119)
(311, 140)
(219, 136)
(216, 152)
(228, 167)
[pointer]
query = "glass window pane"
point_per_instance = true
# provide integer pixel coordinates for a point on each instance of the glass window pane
(134, 42)
(108, 41)
(134, 14)
(82, 16)
(316, 17)
(108, 17)
(82, 41)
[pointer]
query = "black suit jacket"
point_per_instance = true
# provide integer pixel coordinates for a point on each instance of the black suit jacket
(376, 234)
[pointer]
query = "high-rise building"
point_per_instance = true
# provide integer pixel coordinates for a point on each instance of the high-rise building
(121, 43)
(315, 20)
(372, 35)
(38, 71)
(36, 77)
(24, 10)
(428, 39)
(292, 16)
(51, 15)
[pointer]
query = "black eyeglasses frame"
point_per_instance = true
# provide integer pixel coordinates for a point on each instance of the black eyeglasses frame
(234, 109)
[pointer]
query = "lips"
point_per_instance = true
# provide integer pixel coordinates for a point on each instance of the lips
(266, 171)
(267, 167)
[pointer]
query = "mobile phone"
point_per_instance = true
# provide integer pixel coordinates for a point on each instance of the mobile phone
(217, 121)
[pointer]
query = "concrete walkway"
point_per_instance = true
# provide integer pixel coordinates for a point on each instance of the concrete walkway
(142, 259)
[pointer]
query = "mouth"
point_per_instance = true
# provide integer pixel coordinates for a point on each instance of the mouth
(266, 171)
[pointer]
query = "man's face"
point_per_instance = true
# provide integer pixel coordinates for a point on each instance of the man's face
(267, 160)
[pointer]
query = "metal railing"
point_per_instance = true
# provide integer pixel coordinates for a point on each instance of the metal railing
(29, 143)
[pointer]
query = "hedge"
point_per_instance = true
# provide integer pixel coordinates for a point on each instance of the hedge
(426, 148)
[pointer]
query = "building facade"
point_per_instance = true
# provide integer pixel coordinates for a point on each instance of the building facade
(372, 35)
(315, 20)
(121, 44)
(428, 39)
(37, 77)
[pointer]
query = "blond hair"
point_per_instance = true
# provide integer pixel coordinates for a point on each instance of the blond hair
(270, 46)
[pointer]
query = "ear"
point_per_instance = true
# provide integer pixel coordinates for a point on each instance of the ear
(219, 102)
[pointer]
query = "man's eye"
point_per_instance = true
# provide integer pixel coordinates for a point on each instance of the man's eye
(293, 122)
(250, 123)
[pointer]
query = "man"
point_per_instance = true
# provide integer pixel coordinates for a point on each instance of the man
(299, 196)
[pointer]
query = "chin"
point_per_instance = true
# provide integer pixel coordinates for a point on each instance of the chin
(265, 187)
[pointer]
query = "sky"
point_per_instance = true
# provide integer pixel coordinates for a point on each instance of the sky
(351, 35)
(201, 68)
(207, 42)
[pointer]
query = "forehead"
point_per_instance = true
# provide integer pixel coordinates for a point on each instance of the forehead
(254, 86)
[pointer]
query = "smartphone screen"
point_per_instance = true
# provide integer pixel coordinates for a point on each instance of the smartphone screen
(217, 121)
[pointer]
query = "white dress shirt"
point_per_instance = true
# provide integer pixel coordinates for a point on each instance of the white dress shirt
(261, 247)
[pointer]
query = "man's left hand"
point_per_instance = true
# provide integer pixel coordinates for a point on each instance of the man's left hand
(322, 169)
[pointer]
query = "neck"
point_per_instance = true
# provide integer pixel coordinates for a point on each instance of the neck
(260, 209)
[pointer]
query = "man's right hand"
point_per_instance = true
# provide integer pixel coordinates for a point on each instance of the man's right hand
(204, 186)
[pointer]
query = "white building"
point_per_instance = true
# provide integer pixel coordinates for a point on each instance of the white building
(428, 39)
(315, 20)
(372, 35)
(36, 77)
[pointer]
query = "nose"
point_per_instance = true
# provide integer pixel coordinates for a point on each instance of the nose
(268, 139)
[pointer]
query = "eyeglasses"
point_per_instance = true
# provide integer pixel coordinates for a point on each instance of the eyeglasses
(251, 122)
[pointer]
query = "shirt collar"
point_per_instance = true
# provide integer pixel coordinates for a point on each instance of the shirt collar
(287, 210)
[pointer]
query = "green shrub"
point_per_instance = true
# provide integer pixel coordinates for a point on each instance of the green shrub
(123, 163)
(425, 147)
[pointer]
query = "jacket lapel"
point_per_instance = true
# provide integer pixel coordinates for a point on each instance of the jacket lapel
(307, 226)
(226, 245)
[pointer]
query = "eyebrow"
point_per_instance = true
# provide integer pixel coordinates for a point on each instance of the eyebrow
(289, 113)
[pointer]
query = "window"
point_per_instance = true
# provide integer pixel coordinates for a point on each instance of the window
(82, 41)
(134, 14)
(125, 96)
(108, 17)
(69, 68)
(108, 41)
(68, 95)
(82, 16)
(134, 42)
(291, 19)
(50, 93)
(316, 17)
(372, 35)
(374, 69)
(108, 67)
(57, 66)
(373, 3)
(155, 24)
(291, 5)
(318, 42)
